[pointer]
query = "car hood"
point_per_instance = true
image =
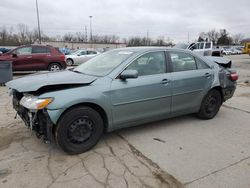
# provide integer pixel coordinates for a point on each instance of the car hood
(35, 82)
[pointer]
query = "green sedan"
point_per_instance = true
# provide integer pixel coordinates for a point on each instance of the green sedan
(120, 88)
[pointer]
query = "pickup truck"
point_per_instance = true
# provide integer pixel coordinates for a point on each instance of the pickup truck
(202, 48)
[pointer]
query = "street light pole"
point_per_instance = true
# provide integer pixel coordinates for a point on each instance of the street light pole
(90, 23)
(38, 22)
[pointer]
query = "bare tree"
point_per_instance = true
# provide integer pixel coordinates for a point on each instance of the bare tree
(68, 37)
(22, 31)
(237, 38)
(213, 36)
(3, 36)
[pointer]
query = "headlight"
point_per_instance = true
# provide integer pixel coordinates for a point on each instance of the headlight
(33, 103)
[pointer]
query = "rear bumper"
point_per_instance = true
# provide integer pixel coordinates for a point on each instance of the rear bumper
(228, 92)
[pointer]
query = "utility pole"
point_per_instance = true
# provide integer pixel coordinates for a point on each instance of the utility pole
(90, 24)
(38, 23)
(86, 34)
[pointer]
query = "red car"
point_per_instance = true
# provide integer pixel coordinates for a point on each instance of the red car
(35, 57)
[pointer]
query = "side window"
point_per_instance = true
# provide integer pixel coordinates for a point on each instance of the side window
(201, 64)
(149, 64)
(40, 50)
(24, 51)
(91, 52)
(182, 61)
(83, 53)
(194, 47)
(201, 45)
(208, 45)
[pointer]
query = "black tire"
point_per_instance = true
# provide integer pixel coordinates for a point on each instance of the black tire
(70, 62)
(79, 130)
(54, 67)
(210, 105)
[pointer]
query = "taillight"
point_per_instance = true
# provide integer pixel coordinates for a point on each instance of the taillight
(234, 76)
(63, 57)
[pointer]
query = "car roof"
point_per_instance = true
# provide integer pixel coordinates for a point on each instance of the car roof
(150, 48)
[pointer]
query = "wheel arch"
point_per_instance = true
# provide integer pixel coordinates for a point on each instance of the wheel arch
(70, 58)
(218, 88)
(94, 106)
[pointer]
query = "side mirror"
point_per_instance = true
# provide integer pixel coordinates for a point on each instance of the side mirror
(14, 55)
(129, 74)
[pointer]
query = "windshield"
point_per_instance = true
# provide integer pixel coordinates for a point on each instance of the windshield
(181, 46)
(104, 63)
(75, 52)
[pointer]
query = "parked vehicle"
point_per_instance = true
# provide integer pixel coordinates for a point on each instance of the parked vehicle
(4, 50)
(227, 51)
(120, 88)
(236, 51)
(80, 56)
(246, 49)
(202, 48)
(35, 57)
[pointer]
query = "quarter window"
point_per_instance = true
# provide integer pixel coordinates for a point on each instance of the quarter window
(201, 64)
(149, 64)
(182, 61)
(23, 51)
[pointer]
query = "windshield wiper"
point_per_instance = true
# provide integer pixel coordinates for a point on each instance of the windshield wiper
(73, 70)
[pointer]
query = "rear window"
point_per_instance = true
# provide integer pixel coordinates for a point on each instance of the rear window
(40, 50)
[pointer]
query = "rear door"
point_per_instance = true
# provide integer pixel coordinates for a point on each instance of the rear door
(41, 56)
(191, 78)
(145, 97)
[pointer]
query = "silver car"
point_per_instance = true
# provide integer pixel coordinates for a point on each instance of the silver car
(117, 89)
(80, 56)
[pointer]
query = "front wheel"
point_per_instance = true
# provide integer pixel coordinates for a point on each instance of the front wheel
(79, 129)
(69, 62)
(210, 105)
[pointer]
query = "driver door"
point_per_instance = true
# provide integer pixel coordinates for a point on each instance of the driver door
(147, 97)
(23, 59)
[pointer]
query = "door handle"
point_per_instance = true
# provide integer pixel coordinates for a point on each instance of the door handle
(208, 75)
(164, 81)
(29, 57)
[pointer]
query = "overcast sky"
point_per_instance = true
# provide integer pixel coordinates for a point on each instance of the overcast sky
(126, 18)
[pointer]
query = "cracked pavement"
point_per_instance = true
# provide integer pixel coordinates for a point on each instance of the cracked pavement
(26, 161)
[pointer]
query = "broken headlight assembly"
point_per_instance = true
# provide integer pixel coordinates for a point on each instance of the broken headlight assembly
(34, 103)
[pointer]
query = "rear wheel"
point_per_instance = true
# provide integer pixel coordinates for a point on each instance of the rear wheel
(79, 130)
(210, 105)
(54, 67)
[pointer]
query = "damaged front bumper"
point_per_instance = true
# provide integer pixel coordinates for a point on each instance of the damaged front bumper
(37, 121)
